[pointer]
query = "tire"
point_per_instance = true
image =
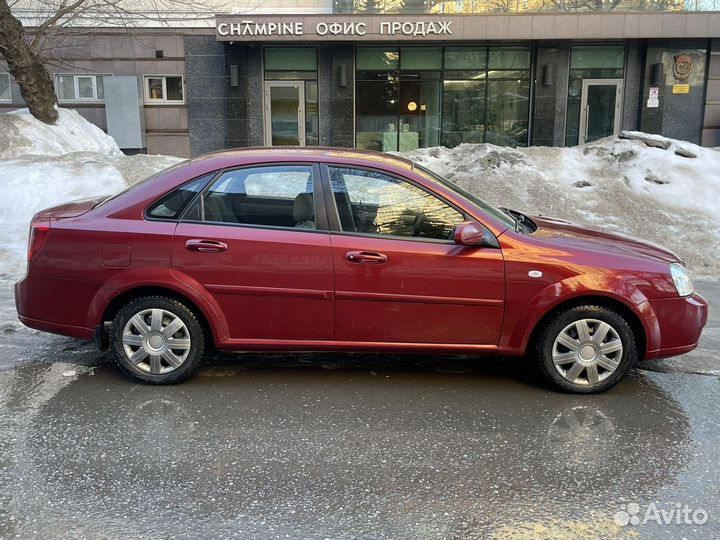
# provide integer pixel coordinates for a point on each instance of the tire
(142, 328)
(585, 350)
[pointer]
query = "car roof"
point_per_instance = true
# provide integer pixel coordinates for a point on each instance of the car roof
(306, 153)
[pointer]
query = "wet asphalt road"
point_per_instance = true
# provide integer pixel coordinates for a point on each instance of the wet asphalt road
(348, 446)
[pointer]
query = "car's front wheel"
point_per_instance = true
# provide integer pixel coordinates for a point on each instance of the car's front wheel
(157, 339)
(585, 349)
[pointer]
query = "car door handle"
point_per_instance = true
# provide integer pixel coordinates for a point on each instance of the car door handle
(205, 246)
(365, 257)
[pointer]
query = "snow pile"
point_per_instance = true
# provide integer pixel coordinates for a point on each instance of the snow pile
(23, 135)
(50, 165)
(647, 186)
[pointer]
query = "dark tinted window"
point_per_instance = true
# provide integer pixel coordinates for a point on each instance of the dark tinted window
(275, 196)
(173, 204)
(377, 203)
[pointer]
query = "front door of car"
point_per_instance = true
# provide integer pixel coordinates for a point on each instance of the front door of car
(399, 276)
(254, 242)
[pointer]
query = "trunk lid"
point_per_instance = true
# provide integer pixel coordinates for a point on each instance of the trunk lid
(70, 209)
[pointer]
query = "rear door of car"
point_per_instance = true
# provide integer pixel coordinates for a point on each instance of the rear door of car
(256, 240)
(399, 276)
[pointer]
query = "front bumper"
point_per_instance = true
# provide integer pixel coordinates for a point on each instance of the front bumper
(679, 322)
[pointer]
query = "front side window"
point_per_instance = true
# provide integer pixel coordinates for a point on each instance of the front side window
(496, 213)
(167, 89)
(5, 94)
(371, 202)
(79, 87)
(273, 196)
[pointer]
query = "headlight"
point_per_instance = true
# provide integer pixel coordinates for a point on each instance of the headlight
(681, 278)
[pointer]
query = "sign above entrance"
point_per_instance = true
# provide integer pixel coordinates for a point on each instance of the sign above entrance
(314, 28)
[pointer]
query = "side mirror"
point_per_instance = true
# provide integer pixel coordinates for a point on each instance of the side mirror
(471, 233)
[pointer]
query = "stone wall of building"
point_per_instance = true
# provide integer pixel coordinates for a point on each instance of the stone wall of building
(679, 115)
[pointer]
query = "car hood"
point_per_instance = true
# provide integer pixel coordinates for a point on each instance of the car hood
(70, 209)
(565, 233)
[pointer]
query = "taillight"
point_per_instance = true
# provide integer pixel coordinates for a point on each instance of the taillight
(39, 230)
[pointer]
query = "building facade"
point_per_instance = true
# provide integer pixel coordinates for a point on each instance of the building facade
(401, 81)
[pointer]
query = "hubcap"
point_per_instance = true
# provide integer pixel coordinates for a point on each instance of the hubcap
(156, 341)
(587, 351)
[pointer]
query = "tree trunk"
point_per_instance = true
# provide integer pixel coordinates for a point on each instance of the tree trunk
(27, 67)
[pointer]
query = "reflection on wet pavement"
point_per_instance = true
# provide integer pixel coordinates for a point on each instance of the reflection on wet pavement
(349, 446)
(307, 446)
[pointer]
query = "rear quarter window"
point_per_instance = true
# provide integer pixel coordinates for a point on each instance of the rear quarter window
(172, 205)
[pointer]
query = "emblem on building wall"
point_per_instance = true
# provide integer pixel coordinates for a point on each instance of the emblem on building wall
(682, 67)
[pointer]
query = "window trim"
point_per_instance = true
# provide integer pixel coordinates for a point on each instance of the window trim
(162, 101)
(321, 217)
(9, 78)
(76, 87)
(334, 216)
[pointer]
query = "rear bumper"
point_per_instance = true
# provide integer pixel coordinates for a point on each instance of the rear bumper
(57, 328)
(34, 303)
(680, 322)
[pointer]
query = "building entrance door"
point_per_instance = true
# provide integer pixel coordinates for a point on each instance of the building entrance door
(600, 109)
(284, 113)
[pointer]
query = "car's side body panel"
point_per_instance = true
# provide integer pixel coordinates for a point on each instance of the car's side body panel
(269, 284)
(75, 264)
(426, 292)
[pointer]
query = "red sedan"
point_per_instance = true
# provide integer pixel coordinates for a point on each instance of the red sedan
(344, 250)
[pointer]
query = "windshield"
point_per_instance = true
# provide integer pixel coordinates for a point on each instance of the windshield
(496, 213)
(142, 182)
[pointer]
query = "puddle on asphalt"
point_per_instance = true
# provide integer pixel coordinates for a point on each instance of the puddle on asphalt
(387, 445)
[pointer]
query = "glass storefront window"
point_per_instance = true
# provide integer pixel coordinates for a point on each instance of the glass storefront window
(482, 95)
(419, 115)
(465, 58)
(421, 58)
(509, 58)
(508, 107)
(290, 59)
(376, 114)
(376, 58)
(463, 112)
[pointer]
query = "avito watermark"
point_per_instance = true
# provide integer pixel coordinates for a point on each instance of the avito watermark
(673, 514)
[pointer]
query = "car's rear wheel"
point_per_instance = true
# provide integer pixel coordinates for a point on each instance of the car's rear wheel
(157, 339)
(585, 349)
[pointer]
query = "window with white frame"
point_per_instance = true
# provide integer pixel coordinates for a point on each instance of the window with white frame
(164, 89)
(5, 94)
(79, 87)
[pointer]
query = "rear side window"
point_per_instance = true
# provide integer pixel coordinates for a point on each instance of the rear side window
(273, 196)
(172, 205)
